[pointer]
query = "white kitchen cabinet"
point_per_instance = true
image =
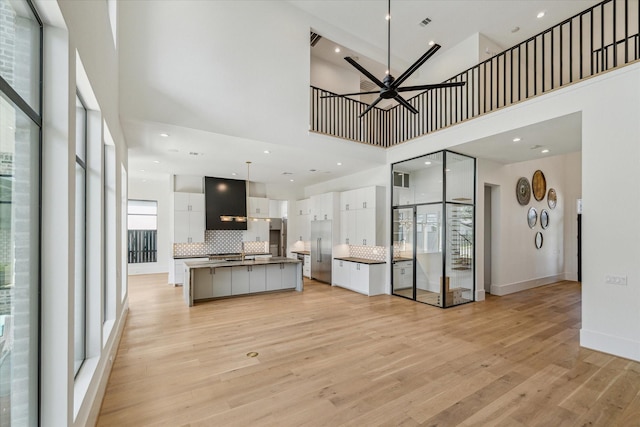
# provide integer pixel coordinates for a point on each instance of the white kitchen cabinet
(189, 218)
(258, 207)
(300, 224)
(340, 273)
(257, 231)
(403, 275)
(361, 217)
(176, 277)
(257, 279)
(306, 268)
(367, 279)
(323, 205)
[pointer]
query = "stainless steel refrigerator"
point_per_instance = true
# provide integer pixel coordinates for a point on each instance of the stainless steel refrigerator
(321, 250)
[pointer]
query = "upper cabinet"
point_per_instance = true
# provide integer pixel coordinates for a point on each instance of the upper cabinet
(361, 216)
(189, 218)
(299, 221)
(259, 207)
(323, 206)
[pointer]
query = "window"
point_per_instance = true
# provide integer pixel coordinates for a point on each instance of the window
(142, 223)
(80, 291)
(20, 138)
(109, 290)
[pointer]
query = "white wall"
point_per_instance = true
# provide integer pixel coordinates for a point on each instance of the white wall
(328, 76)
(155, 188)
(518, 263)
(610, 106)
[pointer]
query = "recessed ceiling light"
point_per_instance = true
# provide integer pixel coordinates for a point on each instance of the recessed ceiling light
(387, 17)
(233, 174)
(144, 180)
(141, 170)
(447, 170)
(339, 164)
(516, 139)
(431, 43)
(545, 151)
(156, 161)
(266, 152)
(164, 135)
(540, 15)
(291, 180)
(515, 29)
(337, 50)
(427, 163)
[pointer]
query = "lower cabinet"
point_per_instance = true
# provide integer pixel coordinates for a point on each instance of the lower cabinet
(211, 283)
(281, 276)
(245, 279)
(366, 279)
(306, 267)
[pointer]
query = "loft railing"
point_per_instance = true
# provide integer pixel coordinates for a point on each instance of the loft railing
(599, 39)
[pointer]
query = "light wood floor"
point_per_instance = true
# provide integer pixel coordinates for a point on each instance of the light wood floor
(331, 357)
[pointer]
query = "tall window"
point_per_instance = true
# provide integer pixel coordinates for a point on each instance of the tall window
(142, 223)
(20, 136)
(79, 318)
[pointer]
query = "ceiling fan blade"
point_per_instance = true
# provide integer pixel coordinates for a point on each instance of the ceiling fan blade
(405, 104)
(427, 87)
(351, 94)
(365, 72)
(373, 104)
(412, 69)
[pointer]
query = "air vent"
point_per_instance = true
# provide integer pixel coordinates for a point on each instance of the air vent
(425, 22)
(315, 38)
(367, 86)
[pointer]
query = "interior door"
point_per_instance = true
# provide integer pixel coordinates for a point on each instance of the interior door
(429, 247)
(403, 247)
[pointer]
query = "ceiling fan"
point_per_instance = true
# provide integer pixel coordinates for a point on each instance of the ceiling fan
(390, 86)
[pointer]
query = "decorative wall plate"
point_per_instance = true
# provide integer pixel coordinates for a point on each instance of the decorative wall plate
(532, 217)
(523, 191)
(552, 198)
(544, 219)
(538, 240)
(539, 184)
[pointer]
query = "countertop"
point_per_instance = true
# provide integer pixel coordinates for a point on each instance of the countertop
(221, 256)
(218, 263)
(360, 260)
(301, 252)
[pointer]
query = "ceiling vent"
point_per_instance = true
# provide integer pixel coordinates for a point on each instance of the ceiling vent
(367, 86)
(425, 22)
(315, 38)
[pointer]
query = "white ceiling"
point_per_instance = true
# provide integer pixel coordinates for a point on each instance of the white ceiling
(229, 80)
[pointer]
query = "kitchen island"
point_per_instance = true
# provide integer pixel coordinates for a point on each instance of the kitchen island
(205, 280)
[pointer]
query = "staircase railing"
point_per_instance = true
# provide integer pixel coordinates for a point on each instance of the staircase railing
(601, 38)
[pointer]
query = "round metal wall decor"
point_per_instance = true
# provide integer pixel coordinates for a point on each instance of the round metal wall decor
(538, 240)
(523, 191)
(552, 198)
(539, 184)
(544, 219)
(532, 217)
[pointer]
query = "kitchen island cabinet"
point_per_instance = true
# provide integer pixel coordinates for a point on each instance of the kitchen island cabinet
(205, 280)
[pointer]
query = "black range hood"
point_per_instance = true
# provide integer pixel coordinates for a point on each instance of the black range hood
(225, 199)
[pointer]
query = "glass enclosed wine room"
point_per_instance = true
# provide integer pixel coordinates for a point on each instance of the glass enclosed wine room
(433, 229)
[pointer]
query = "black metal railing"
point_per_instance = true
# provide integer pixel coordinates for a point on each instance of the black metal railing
(598, 39)
(143, 246)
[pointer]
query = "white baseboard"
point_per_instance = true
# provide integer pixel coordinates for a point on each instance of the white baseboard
(610, 344)
(510, 288)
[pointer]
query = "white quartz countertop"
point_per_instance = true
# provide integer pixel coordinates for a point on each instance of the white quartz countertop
(219, 263)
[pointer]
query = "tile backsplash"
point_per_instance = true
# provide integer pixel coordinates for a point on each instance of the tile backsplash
(376, 253)
(215, 242)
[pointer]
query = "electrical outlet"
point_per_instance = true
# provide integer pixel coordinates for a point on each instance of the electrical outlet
(616, 280)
